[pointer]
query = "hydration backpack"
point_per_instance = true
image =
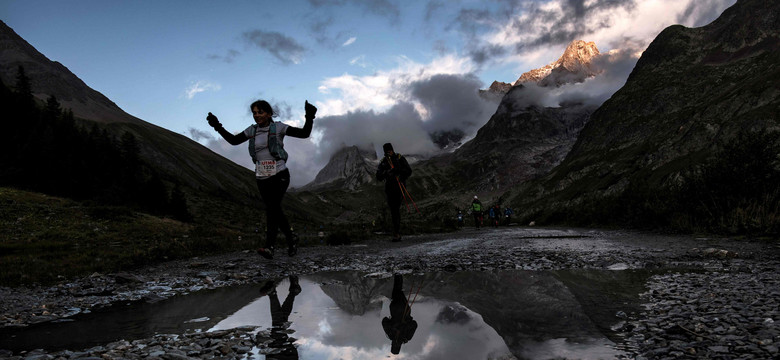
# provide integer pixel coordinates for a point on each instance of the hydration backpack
(276, 149)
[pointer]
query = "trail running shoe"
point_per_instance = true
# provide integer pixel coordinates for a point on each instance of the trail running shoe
(267, 253)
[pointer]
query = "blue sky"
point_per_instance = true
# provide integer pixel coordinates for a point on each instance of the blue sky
(378, 70)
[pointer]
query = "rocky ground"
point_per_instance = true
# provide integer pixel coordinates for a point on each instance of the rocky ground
(728, 309)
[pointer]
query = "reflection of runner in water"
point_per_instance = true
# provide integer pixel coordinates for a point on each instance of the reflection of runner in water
(400, 326)
(280, 313)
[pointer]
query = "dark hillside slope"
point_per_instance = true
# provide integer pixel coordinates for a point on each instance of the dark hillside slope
(692, 94)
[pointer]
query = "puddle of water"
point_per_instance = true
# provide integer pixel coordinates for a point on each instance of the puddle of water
(131, 321)
(460, 315)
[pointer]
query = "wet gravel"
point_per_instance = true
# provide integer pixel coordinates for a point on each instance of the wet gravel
(727, 308)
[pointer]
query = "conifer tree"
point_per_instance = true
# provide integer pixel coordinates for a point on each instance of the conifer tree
(53, 109)
(23, 87)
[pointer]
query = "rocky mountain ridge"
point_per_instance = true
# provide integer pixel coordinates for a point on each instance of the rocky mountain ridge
(576, 64)
(519, 144)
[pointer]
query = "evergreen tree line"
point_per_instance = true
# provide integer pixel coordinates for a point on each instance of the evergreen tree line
(44, 150)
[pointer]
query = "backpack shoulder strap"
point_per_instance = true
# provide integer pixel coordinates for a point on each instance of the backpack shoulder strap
(252, 134)
(274, 145)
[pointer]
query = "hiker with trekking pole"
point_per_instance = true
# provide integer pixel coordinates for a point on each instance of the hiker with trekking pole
(266, 147)
(394, 170)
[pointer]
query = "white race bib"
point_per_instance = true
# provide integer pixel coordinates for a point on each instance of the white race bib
(265, 168)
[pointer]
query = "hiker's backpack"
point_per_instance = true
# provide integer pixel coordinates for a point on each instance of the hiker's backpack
(476, 206)
(389, 161)
(276, 149)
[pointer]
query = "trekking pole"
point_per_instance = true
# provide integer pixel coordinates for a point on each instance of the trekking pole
(410, 197)
(408, 308)
(409, 305)
(400, 186)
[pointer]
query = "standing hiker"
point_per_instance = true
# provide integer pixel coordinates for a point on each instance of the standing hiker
(266, 147)
(394, 170)
(476, 210)
(508, 215)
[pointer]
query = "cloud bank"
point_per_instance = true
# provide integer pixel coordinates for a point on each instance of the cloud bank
(404, 104)
(537, 29)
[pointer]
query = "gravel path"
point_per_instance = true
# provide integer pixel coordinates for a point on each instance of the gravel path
(727, 309)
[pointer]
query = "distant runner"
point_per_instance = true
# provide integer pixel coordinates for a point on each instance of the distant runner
(476, 211)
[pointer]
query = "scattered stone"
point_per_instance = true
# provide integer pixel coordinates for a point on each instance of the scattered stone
(124, 278)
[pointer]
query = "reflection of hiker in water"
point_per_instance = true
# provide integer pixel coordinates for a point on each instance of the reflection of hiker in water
(400, 326)
(280, 313)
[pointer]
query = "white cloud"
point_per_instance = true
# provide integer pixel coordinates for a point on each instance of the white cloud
(359, 61)
(543, 38)
(384, 89)
(402, 106)
(350, 41)
(199, 87)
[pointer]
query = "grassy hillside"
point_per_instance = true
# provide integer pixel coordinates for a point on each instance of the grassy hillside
(45, 238)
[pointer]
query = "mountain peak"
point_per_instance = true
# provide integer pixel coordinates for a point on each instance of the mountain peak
(349, 167)
(578, 55)
(53, 78)
(575, 65)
